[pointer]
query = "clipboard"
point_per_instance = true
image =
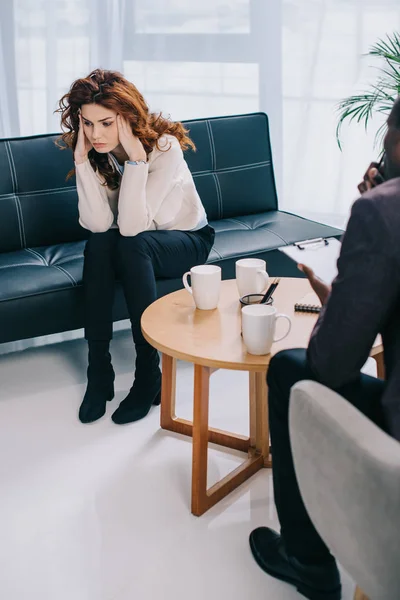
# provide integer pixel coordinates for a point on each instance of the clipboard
(320, 254)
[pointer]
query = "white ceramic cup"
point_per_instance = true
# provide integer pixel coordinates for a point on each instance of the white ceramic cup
(206, 285)
(251, 276)
(258, 327)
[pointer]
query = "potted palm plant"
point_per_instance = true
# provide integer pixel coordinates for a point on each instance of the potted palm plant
(379, 99)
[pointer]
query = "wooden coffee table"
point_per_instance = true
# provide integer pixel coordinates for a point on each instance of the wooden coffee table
(212, 340)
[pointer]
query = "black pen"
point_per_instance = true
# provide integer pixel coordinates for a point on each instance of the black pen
(270, 291)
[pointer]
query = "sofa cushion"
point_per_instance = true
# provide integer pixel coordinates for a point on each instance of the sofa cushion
(44, 269)
(254, 234)
(34, 271)
(41, 288)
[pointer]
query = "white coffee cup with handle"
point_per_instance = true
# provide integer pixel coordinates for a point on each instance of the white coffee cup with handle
(258, 327)
(251, 276)
(206, 285)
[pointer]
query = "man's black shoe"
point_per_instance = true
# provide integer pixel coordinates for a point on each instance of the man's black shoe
(315, 582)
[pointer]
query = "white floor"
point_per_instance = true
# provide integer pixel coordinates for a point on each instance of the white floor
(102, 512)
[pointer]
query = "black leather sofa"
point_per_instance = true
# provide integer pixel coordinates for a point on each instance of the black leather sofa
(41, 241)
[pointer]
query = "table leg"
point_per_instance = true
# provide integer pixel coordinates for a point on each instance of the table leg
(171, 422)
(168, 392)
(203, 498)
(200, 439)
(259, 425)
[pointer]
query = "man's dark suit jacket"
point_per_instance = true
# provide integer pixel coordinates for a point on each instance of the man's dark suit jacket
(365, 300)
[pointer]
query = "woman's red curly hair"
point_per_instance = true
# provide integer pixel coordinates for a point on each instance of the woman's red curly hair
(113, 91)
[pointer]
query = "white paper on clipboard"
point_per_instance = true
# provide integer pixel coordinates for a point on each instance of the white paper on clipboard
(320, 257)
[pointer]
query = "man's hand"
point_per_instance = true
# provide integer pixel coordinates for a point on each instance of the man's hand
(373, 176)
(320, 288)
(83, 146)
(130, 143)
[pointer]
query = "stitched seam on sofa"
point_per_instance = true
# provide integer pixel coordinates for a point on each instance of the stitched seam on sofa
(274, 233)
(21, 240)
(236, 220)
(263, 163)
(264, 227)
(38, 255)
(63, 289)
(312, 221)
(12, 166)
(246, 253)
(67, 259)
(260, 227)
(14, 184)
(216, 252)
(70, 277)
(48, 191)
(7, 196)
(219, 194)
(212, 146)
(18, 203)
(18, 265)
(37, 192)
(224, 118)
(232, 169)
(246, 168)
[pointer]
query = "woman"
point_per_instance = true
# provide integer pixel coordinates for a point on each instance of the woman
(138, 199)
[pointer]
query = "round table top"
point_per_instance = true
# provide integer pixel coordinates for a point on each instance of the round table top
(212, 338)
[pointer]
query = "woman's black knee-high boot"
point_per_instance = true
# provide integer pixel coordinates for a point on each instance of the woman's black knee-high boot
(146, 388)
(100, 387)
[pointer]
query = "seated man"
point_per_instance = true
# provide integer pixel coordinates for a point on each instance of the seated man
(364, 301)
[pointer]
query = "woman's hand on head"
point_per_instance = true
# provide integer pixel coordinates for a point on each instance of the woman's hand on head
(83, 145)
(130, 143)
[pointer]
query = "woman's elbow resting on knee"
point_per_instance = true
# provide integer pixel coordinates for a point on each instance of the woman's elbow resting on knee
(99, 229)
(128, 231)
(132, 229)
(95, 227)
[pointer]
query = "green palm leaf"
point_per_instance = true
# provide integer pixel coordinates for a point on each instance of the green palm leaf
(379, 99)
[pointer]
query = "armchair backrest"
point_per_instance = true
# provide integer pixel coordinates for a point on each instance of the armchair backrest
(349, 477)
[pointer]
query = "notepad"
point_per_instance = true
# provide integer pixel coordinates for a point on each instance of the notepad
(309, 303)
(320, 256)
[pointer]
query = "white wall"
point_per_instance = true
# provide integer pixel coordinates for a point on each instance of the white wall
(323, 44)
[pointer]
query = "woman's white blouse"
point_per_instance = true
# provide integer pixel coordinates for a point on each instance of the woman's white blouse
(160, 194)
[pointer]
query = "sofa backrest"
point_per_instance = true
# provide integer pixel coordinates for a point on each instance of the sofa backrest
(232, 168)
(38, 207)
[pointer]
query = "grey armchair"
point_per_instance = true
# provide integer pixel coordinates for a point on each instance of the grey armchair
(349, 477)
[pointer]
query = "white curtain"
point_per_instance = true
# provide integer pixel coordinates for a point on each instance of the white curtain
(9, 123)
(324, 43)
(214, 57)
(190, 59)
